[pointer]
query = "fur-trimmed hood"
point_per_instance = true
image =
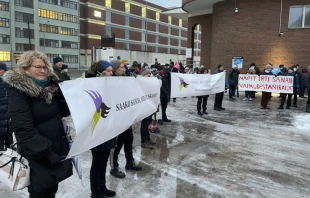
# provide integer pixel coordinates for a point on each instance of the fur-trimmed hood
(24, 83)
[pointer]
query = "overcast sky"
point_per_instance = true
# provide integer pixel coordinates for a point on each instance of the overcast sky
(167, 3)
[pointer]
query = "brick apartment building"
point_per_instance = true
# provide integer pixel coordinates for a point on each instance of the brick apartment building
(138, 26)
(261, 31)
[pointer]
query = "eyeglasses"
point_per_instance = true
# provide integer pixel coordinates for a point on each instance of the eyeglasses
(38, 67)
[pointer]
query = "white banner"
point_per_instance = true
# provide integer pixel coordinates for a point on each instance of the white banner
(102, 108)
(186, 85)
(279, 84)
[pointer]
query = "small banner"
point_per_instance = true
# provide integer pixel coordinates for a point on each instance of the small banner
(187, 85)
(102, 108)
(279, 84)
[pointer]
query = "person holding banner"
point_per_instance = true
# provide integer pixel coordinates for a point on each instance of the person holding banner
(124, 139)
(307, 85)
(249, 95)
(295, 88)
(219, 96)
(101, 153)
(266, 95)
(233, 81)
(202, 100)
(165, 91)
(36, 107)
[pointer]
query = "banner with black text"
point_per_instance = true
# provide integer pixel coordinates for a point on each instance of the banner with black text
(102, 108)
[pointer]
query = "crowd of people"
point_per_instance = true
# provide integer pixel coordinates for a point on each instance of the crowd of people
(33, 105)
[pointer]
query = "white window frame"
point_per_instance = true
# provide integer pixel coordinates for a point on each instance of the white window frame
(303, 16)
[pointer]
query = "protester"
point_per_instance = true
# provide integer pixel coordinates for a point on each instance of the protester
(196, 70)
(202, 100)
(187, 70)
(307, 85)
(36, 106)
(165, 91)
(296, 91)
(61, 69)
(302, 84)
(295, 88)
(6, 130)
(266, 95)
(133, 70)
(283, 70)
(249, 95)
(101, 153)
(257, 72)
(175, 69)
(219, 96)
(146, 141)
(233, 81)
(125, 138)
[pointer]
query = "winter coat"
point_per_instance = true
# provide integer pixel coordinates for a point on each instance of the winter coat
(307, 81)
(166, 85)
(5, 129)
(298, 73)
(36, 114)
(109, 144)
(61, 75)
(296, 84)
(233, 77)
(264, 73)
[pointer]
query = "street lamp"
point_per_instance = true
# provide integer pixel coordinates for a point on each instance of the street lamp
(44, 36)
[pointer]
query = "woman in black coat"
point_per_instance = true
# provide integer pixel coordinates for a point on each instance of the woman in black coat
(101, 153)
(202, 100)
(36, 107)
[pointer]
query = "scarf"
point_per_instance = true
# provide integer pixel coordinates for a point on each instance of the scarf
(41, 83)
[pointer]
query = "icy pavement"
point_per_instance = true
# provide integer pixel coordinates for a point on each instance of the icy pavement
(242, 152)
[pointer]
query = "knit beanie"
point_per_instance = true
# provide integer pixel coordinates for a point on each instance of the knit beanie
(145, 71)
(268, 66)
(57, 60)
(105, 65)
(3, 66)
(115, 64)
(135, 64)
(219, 66)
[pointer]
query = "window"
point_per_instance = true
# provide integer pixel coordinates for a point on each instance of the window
(23, 32)
(143, 24)
(49, 43)
(169, 19)
(169, 30)
(49, 28)
(157, 16)
(68, 17)
(108, 29)
(127, 7)
(4, 6)
(127, 46)
(168, 50)
(69, 4)
(143, 36)
(52, 56)
(70, 58)
(69, 31)
(180, 33)
(4, 39)
(127, 20)
(5, 56)
(97, 14)
(143, 12)
(180, 43)
(24, 47)
(197, 45)
(180, 22)
(49, 1)
(69, 44)
(108, 3)
(127, 34)
(179, 51)
(157, 39)
(157, 27)
(48, 14)
(156, 49)
(143, 47)
(169, 41)
(4, 22)
(24, 3)
(299, 17)
(24, 17)
(108, 16)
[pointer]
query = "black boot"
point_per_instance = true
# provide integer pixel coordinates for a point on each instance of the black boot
(174, 99)
(205, 112)
(166, 120)
(97, 195)
(199, 113)
(281, 107)
(117, 173)
(288, 107)
(133, 166)
(308, 107)
(106, 192)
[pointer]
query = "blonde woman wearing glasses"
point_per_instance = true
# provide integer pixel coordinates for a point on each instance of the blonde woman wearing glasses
(36, 106)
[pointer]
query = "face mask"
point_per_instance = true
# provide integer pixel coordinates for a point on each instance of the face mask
(281, 68)
(267, 71)
(295, 69)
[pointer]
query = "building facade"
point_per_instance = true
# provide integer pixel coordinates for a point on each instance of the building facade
(138, 26)
(50, 26)
(261, 31)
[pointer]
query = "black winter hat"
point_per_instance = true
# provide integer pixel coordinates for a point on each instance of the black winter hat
(3, 66)
(219, 66)
(57, 60)
(135, 64)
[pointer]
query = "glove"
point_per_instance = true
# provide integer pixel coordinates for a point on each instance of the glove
(53, 158)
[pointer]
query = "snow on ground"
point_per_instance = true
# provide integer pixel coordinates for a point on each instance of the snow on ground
(241, 152)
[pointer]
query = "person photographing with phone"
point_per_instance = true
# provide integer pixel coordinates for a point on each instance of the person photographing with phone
(61, 69)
